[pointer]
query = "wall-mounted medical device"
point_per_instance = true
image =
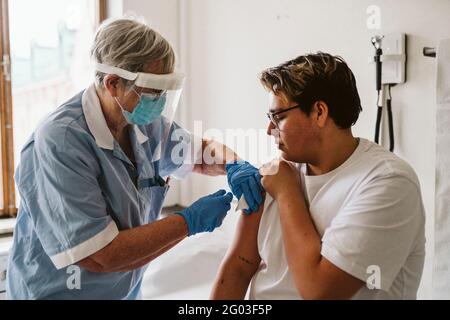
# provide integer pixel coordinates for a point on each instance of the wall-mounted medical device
(429, 52)
(390, 69)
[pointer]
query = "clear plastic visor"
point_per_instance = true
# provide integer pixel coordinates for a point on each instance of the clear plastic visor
(163, 89)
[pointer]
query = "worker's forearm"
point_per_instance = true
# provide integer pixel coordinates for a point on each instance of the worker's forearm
(231, 283)
(301, 240)
(147, 260)
(140, 245)
(215, 156)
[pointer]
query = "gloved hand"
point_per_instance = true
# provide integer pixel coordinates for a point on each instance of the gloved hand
(207, 213)
(243, 178)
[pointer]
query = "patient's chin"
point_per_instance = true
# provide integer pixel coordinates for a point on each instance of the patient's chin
(291, 157)
(286, 156)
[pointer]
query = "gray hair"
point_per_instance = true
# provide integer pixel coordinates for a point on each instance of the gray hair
(129, 44)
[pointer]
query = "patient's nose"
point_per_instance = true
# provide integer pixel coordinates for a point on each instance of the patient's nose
(270, 128)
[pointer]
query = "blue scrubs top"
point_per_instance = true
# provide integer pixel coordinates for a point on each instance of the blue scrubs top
(78, 189)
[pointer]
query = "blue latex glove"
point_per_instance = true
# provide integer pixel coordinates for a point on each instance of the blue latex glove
(207, 213)
(243, 178)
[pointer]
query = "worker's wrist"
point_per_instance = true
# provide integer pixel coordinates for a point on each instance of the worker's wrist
(179, 217)
(231, 156)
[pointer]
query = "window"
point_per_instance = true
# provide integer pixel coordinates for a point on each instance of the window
(44, 50)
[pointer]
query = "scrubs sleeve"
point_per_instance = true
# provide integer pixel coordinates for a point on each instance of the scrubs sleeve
(67, 206)
(182, 152)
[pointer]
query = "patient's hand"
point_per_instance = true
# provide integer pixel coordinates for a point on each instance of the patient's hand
(280, 177)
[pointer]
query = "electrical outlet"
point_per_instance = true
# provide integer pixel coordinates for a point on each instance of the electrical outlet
(393, 58)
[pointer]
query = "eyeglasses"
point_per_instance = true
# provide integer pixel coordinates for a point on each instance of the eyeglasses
(273, 116)
(151, 93)
(143, 90)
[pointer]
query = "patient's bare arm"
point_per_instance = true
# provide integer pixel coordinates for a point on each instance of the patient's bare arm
(241, 261)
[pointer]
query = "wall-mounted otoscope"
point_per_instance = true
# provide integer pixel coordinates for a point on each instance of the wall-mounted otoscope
(390, 69)
(376, 42)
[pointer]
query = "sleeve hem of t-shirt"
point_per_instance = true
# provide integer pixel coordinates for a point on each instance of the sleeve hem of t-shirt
(336, 258)
(86, 248)
(190, 161)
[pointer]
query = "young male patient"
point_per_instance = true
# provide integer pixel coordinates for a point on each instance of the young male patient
(343, 217)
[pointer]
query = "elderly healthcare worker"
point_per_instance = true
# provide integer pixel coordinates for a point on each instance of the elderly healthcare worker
(92, 177)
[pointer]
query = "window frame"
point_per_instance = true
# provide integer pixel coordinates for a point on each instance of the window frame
(6, 109)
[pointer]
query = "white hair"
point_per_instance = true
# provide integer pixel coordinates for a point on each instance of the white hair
(130, 44)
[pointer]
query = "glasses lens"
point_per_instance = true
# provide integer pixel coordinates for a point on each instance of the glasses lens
(272, 119)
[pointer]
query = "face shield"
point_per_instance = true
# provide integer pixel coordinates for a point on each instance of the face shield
(158, 94)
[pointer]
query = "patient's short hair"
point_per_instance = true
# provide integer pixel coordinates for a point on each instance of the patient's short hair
(317, 77)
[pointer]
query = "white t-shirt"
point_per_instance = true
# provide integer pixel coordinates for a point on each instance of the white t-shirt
(370, 216)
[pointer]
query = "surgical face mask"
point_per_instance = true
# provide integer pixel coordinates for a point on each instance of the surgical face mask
(146, 111)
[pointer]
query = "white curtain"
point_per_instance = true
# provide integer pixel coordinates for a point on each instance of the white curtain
(441, 274)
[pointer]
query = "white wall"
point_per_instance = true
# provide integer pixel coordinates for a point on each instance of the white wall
(225, 44)
(114, 8)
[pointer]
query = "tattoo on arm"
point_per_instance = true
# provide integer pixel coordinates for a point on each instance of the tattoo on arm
(245, 260)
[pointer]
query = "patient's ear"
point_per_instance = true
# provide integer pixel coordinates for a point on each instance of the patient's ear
(320, 113)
